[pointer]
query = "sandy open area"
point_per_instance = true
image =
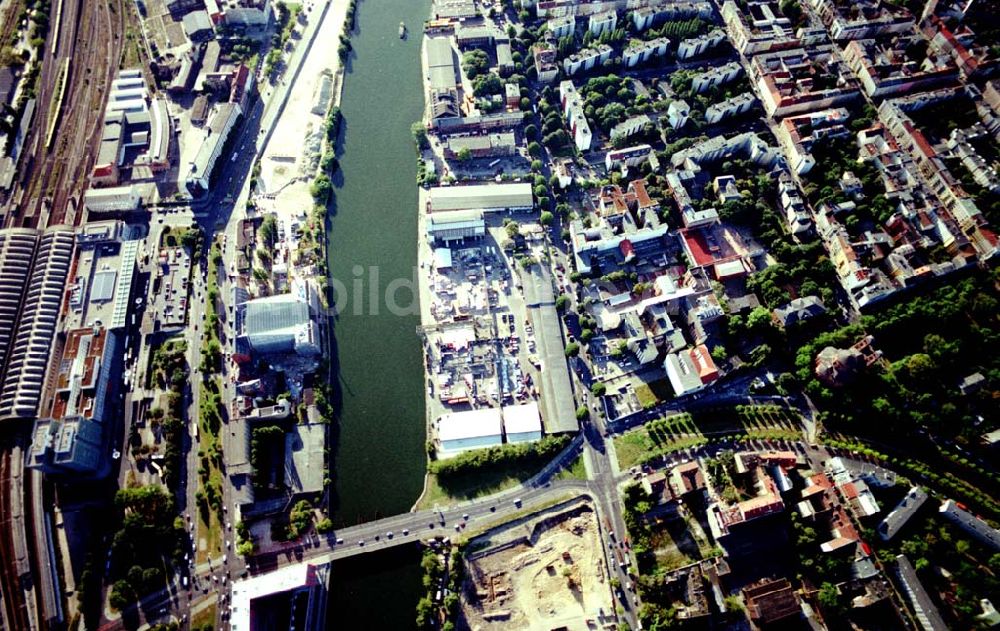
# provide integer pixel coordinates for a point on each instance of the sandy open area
(290, 158)
(547, 575)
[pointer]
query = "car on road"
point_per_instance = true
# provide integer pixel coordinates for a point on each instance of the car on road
(405, 532)
(517, 502)
(340, 542)
(465, 517)
(361, 542)
(388, 535)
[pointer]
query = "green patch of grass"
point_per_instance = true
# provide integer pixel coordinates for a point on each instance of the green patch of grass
(632, 448)
(576, 471)
(473, 484)
(205, 617)
(212, 533)
(686, 430)
(654, 392)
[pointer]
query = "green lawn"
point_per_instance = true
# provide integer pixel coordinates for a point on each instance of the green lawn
(651, 393)
(212, 532)
(477, 484)
(204, 617)
(576, 471)
(636, 448)
(681, 431)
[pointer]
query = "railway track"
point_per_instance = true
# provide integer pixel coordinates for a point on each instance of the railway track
(9, 24)
(13, 557)
(66, 133)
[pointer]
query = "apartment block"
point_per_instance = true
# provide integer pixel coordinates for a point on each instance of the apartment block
(884, 69)
(762, 28)
(638, 52)
(730, 108)
(586, 59)
(716, 76)
(696, 46)
(601, 23)
(853, 19)
(648, 17)
(798, 133)
(801, 80)
(572, 108)
(562, 26)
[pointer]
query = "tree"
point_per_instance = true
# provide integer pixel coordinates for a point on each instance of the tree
(792, 10)
(464, 154)
(190, 238)
(425, 612)
(829, 598)
(268, 231)
(420, 135)
(487, 84)
(562, 302)
(321, 189)
(475, 63)
(582, 413)
(598, 389)
(546, 218)
(329, 162)
(719, 354)
(759, 319)
(122, 595)
(572, 349)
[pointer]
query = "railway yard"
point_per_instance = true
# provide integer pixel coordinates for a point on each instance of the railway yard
(62, 142)
(59, 148)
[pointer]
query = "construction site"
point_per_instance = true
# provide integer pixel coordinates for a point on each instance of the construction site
(543, 573)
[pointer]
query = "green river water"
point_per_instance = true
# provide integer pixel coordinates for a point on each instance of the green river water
(379, 459)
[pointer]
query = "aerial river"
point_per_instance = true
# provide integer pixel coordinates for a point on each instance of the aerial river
(379, 457)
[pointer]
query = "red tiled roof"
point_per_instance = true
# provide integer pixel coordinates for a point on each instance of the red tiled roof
(700, 248)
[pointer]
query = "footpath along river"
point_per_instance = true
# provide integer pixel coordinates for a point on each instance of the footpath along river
(379, 458)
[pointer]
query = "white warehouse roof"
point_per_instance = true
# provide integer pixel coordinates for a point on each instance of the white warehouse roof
(469, 424)
(522, 419)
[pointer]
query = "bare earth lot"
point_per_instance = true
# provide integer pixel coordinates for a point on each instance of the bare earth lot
(546, 574)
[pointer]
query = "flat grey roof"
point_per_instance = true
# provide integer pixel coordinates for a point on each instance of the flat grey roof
(304, 458)
(559, 407)
(439, 52)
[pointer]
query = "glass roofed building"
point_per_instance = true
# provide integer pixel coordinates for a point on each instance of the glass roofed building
(285, 323)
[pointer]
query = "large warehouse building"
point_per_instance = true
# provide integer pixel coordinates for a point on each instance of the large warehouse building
(39, 296)
(471, 429)
(485, 197)
(286, 323)
(74, 435)
(217, 132)
(456, 226)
